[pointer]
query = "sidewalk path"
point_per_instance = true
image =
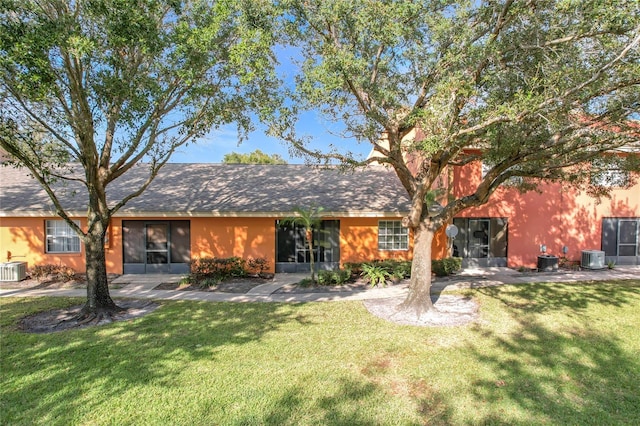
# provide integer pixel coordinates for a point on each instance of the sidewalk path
(142, 286)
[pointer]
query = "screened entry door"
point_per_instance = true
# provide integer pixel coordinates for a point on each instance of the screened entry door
(292, 251)
(479, 238)
(481, 241)
(157, 247)
(621, 240)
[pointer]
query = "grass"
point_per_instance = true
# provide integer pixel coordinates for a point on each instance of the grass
(541, 354)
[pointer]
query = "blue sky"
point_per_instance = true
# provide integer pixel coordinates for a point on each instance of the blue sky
(213, 147)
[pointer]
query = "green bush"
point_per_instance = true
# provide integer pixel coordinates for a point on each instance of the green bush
(354, 267)
(324, 277)
(208, 283)
(339, 277)
(446, 266)
(402, 270)
(397, 268)
(375, 274)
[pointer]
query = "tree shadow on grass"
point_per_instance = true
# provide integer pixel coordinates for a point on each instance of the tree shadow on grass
(543, 297)
(357, 401)
(555, 373)
(45, 376)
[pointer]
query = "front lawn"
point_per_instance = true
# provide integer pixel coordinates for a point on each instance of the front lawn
(540, 354)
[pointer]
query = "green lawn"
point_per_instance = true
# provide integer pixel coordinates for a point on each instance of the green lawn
(541, 354)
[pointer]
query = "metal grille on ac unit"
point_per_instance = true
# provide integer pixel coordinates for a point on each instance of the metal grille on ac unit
(592, 259)
(13, 271)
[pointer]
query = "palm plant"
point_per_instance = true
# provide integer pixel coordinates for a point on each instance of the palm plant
(308, 218)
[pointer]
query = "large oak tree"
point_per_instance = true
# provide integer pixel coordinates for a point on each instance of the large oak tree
(92, 88)
(536, 90)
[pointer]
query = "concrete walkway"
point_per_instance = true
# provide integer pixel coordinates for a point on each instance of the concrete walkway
(143, 286)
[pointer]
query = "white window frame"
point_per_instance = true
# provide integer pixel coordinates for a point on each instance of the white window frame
(60, 238)
(392, 236)
(612, 178)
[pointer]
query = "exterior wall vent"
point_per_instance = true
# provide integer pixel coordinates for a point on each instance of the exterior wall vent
(592, 259)
(13, 271)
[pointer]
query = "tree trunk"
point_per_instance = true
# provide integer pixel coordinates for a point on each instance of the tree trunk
(309, 235)
(98, 299)
(419, 297)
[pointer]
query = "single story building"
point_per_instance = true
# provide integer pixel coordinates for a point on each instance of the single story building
(220, 210)
(214, 210)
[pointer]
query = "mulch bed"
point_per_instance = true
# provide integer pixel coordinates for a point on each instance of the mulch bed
(63, 319)
(448, 311)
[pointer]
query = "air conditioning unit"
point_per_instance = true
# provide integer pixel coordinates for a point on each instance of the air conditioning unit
(13, 271)
(592, 259)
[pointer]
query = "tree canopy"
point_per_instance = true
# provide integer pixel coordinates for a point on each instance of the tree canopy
(254, 157)
(534, 90)
(91, 89)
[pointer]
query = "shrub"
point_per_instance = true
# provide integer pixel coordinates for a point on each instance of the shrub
(338, 277)
(354, 267)
(342, 276)
(208, 282)
(258, 265)
(306, 282)
(56, 272)
(217, 269)
(375, 274)
(399, 269)
(324, 277)
(402, 270)
(446, 266)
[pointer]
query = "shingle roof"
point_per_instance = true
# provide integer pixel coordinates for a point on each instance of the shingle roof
(224, 190)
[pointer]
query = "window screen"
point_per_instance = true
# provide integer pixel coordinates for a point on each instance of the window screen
(61, 238)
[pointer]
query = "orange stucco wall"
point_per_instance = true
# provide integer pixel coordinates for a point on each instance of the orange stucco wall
(555, 216)
(359, 241)
(210, 237)
(226, 237)
(23, 240)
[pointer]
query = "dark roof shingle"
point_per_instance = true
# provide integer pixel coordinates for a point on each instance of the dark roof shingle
(224, 189)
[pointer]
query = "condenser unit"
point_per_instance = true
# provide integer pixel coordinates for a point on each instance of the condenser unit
(592, 259)
(13, 271)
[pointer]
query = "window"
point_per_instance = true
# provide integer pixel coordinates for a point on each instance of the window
(608, 174)
(61, 238)
(613, 178)
(392, 235)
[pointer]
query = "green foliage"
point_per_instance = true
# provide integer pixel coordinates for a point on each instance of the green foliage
(447, 266)
(397, 269)
(338, 277)
(255, 157)
(535, 361)
(375, 274)
(307, 282)
(54, 272)
(354, 267)
(309, 218)
(110, 84)
(392, 269)
(534, 90)
(213, 270)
